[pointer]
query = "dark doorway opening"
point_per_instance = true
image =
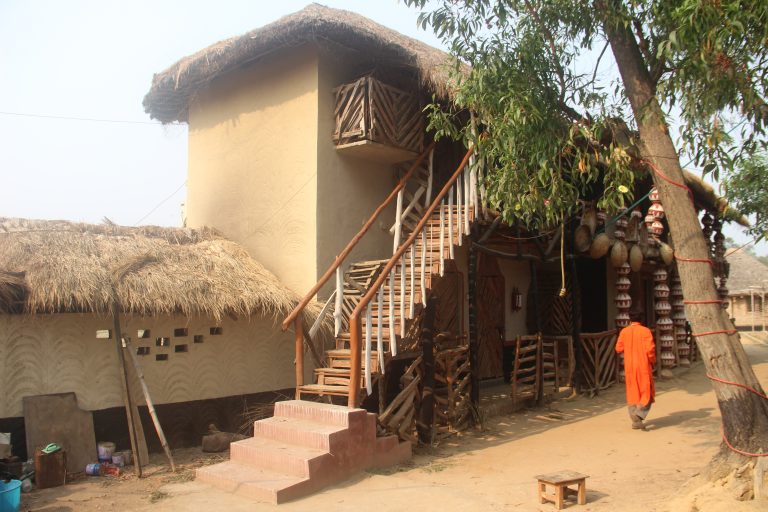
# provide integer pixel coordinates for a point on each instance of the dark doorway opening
(594, 301)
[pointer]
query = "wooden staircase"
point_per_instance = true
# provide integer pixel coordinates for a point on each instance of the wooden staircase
(405, 306)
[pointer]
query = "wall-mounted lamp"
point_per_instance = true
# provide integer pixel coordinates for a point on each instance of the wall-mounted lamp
(516, 300)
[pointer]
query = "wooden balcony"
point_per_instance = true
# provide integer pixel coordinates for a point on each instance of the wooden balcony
(377, 122)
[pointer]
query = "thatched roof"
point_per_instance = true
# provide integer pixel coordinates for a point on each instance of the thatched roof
(746, 271)
(172, 89)
(61, 266)
(706, 197)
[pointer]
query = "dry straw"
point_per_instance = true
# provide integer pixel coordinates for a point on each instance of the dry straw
(60, 266)
(173, 89)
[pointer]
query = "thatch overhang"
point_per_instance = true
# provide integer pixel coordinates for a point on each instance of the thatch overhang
(172, 90)
(705, 197)
(66, 267)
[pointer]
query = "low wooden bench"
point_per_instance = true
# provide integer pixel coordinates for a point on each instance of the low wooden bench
(560, 481)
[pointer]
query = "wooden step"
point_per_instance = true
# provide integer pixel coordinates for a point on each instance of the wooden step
(316, 389)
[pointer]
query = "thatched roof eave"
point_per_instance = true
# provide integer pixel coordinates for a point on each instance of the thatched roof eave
(66, 267)
(172, 89)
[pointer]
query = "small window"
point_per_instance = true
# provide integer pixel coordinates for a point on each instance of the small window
(161, 357)
(198, 338)
(181, 348)
(142, 333)
(142, 351)
(104, 334)
(181, 332)
(216, 331)
(163, 342)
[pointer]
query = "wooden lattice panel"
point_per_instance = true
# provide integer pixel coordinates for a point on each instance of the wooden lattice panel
(549, 360)
(452, 386)
(526, 368)
(599, 363)
(370, 110)
(399, 418)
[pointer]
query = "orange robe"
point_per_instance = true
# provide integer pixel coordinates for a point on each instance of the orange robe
(636, 342)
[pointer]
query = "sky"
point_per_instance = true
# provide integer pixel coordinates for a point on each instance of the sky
(75, 142)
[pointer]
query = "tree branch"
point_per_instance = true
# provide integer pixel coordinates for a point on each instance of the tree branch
(552, 49)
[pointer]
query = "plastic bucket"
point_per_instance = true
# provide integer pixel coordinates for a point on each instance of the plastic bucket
(105, 451)
(10, 496)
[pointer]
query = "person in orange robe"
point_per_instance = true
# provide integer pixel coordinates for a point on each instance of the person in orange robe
(636, 342)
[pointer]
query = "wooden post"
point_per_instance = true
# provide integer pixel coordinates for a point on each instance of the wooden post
(150, 405)
(427, 412)
(355, 332)
(298, 326)
(474, 366)
(129, 405)
(537, 316)
(576, 330)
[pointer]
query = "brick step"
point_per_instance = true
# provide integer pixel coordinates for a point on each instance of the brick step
(319, 412)
(298, 431)
(293, 460)
(254, 483)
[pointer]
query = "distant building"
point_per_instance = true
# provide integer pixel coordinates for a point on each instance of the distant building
(747, 286)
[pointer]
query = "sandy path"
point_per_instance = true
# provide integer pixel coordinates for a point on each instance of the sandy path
(493, 469)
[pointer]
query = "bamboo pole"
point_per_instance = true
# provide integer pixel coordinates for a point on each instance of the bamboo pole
(368, 333)
(442, 238)
(129, 406)
(298, 325)
(398, 220)
(337, 311)
(379, 332)
(151, 406)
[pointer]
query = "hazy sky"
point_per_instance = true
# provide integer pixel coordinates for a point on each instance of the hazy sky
(95, 60)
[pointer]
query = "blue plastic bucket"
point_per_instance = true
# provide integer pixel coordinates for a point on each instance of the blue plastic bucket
(10, 496)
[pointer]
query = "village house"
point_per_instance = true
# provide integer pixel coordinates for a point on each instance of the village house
(747, 287)
(308, 149)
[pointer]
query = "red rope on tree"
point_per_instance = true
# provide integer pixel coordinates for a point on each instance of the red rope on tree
(669, 180)
(731, 383)
(730, 331)
(747, 454)
(694, 260)
(722, 430)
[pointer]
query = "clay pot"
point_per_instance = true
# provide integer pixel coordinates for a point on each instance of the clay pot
(623, 301)
(656, 210)
(619, 253)
(660, 275)
(653, 196)
(667, 253)
(623, 284)
(623, 270)
(661, 291)
(657, 228)
(600, 246)
(582, 238)
(636, 258)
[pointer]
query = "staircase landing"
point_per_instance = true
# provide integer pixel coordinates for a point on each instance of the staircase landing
(303, 448)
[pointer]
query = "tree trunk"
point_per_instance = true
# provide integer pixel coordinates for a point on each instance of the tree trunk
(745, 415)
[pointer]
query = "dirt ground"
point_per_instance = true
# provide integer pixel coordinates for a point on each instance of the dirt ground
(492, 469)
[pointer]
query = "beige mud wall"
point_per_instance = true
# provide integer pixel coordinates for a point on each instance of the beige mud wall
(45, 354)
(253, 162)
(349, 189)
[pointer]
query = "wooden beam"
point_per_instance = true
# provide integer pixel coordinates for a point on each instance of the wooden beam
(427, 412)
(130, 408)
(150, 406)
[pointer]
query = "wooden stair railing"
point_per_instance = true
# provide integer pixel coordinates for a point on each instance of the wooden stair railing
(462, 220)
(295, 317)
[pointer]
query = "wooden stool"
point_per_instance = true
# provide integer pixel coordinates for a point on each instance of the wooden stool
(561, 480)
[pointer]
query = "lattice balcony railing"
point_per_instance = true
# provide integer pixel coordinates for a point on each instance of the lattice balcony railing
(368, 110)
